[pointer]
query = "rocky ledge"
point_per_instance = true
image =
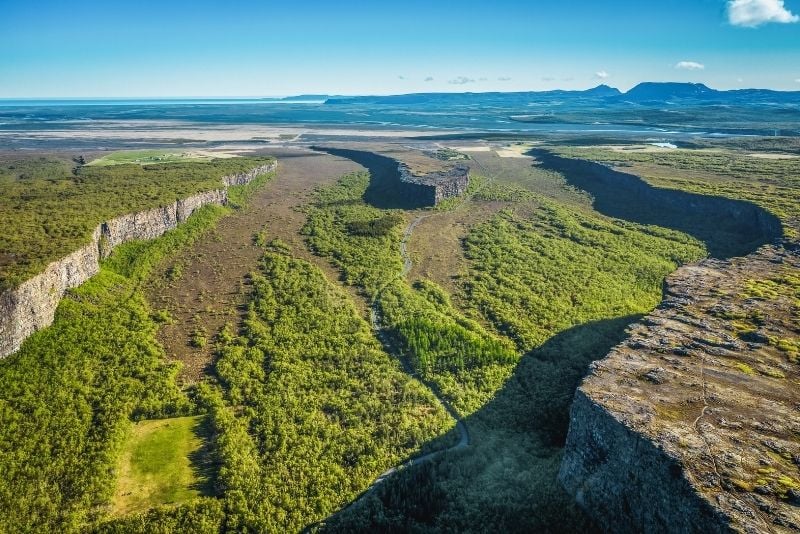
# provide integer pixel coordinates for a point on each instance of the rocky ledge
(32, 305)
(692, 424)
(438, 185)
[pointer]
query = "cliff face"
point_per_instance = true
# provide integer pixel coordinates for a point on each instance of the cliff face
(435, 187)
(691, 424)
(32, 305)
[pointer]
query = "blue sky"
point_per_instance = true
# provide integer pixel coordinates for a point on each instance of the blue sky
(253, 48)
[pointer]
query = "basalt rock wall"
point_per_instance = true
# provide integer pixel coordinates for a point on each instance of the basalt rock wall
(727, 226)
(625, 482)
(32, 305)
(691, 424)
(435, 187)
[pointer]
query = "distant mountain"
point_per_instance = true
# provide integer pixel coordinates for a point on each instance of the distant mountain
(647, 94)
(601, 91)
(653, 91)
(661, 92)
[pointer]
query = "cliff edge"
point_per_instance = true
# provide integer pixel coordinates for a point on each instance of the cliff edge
(692, 424)
(32, 305)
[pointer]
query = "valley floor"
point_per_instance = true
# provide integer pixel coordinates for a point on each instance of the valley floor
(280, 357)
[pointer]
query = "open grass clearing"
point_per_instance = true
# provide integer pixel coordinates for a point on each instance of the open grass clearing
(161, 464)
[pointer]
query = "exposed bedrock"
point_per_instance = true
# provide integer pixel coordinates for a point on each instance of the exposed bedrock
(624, 481)
(32, 305)
(393, 186)
(728, 227)
(691, 424)
(437, 186)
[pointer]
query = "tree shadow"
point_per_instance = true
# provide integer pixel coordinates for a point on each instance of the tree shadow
(203, 460)
(385, 189)
(727, 227)
(506, 480)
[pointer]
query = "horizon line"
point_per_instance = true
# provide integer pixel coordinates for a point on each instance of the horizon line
(315, 93)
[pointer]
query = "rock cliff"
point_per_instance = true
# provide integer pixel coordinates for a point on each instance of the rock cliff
(691, 424)
(437, 186)
(32, 305)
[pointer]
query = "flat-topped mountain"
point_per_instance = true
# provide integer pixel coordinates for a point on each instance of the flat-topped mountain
(604, 95)
(601, 91)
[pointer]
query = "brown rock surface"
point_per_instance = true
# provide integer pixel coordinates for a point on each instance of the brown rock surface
(692, 424)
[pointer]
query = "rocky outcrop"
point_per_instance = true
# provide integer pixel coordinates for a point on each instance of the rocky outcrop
(32, 305)
(153, 223)
(437, 186)
(691, 424)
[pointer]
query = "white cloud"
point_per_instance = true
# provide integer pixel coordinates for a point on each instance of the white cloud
(754, 13)
(601, 75)
(797, 80)
(504, 79)
(689, 65)
(429, 79)
(461, 80)
(548, 79)
(401, 77)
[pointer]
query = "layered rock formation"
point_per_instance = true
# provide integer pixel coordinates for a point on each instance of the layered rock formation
(32, 305)
(692, 424)
(435, 187)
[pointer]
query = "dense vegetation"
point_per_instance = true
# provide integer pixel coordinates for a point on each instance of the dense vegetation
(535, 276)
(456, 355)
(66, 398)
(49, 206)
(558, 285)
(306, 407)
(310, 410)
(69, 394)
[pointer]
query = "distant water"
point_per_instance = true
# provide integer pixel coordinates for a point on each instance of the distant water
(67, 113)
(21, 116)
(37, 102)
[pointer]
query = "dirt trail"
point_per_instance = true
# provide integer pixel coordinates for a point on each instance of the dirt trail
(209, 292)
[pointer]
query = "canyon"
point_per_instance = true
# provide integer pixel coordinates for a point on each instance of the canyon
(32, 305)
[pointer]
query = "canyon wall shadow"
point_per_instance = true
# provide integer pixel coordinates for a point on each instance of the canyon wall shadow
(385, 189)
(727, 227)
(522, 430)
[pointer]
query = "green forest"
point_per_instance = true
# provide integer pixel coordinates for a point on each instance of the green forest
(325, 384)
(310, 409)
(68, 396)
(549, 289)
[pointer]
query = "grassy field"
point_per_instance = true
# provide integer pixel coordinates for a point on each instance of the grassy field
(49, 206)
(156, 465)
(149, 157)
